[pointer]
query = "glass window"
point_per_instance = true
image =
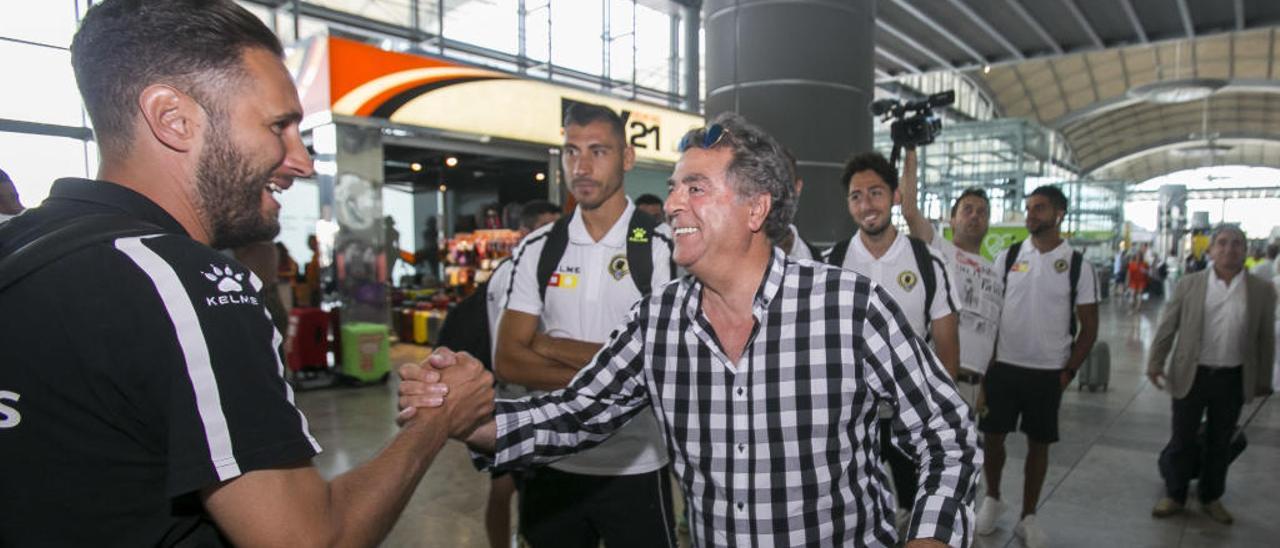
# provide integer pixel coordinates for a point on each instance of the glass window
(396, 12)
(653, 56)
(621, 42)
(35, 161)
(51, 22)
(575, 35)
(46, 91)
(536, 27)
(491, 24)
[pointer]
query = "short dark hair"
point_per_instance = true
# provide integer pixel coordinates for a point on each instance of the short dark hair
(531, 210)
(123, 46)
(581, 114)
(648, 199)
(1053, 194)
(870, 161)
(971, 191)
(4, 177)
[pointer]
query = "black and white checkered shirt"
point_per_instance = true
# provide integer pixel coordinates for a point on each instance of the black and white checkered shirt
(780, 448)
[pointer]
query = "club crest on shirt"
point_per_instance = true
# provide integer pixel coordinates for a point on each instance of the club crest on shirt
(618, 267)
(1060, 265)
(1021, 266)
(907, 279)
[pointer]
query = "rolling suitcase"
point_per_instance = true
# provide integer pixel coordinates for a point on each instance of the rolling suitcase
(307, 345)
(366, 352)
(1096, 372)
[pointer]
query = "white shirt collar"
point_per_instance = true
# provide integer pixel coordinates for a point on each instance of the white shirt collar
(617, 233)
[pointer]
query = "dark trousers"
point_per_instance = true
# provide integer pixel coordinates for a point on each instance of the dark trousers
(902, 467)
(1218, 392)
(564, 510)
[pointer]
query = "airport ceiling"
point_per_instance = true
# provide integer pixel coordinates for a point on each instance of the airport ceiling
(1092, 70)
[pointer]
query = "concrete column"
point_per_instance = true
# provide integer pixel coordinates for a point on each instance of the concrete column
(692, 59)
(803, 70)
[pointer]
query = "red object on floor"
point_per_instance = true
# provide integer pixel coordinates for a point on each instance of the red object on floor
(307, 345)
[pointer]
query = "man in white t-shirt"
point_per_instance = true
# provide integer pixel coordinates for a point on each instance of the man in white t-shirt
(979, 284)
(913, 274)
(1037, 353)
(795, 246)
(497, 516)
(558, 312)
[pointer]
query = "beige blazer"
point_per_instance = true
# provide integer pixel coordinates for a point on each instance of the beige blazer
(1182, 323)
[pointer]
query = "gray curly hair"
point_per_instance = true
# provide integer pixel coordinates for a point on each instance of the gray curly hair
(759, 166)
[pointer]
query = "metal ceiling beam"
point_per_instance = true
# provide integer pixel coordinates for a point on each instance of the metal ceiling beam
(1022, 12)
(1185, 12)
(897, 60)
(938, 28)
(1239, 9)
(987, 28)
(915, 44)
(1133, 19)
(1164, 145)
(1084, 22)
(1027, 91)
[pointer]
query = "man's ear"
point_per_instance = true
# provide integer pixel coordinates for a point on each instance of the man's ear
(760, 205)
(172, 117)
(628, 157)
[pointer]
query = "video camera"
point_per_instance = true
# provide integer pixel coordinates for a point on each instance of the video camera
(921, 127)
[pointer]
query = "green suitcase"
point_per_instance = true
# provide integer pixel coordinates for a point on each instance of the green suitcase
(366, 352)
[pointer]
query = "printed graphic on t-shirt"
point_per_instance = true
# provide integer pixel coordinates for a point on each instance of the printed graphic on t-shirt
(563, 280)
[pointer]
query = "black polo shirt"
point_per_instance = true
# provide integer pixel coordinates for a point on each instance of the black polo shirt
(133, 373)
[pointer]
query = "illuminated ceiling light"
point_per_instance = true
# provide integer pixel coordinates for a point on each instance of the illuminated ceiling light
(415, 166)
(540, 176)
(451, 161)
(1170, 92)
(986, 69)
(443, 188)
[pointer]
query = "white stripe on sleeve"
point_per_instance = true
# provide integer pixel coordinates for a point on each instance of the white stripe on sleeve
(195, 352)
(276, 340)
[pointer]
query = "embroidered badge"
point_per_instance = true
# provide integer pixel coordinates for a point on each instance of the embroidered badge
(1060, 265)
(618, 267)
(563, 281)
(907, 279)
(639, 235)
(1021, 266)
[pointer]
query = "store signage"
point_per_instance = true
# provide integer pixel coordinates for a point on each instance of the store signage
(362, 80)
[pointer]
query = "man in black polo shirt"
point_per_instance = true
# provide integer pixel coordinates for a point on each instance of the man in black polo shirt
(141, 397)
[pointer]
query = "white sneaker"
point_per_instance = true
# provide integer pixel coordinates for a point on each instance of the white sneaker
(988, 513)
(1031, 534)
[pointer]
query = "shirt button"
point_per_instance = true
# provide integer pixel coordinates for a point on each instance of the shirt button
(740, 506)
(741, 391)
(742, 447)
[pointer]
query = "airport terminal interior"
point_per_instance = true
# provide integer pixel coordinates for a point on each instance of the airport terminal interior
(432, 121)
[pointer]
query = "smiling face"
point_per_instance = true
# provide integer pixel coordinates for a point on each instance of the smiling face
(250, 151)
(595, 160)
(1227, 250)
(711, 222)
(871, 202)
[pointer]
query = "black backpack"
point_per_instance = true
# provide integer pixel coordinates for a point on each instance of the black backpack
(1077, 260)
(466, 327)
(640, 234)
(924, 263)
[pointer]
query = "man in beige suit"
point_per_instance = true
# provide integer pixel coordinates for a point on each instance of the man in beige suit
(1219, 327)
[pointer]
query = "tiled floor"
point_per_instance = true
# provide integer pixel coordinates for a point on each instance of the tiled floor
(1101, 484)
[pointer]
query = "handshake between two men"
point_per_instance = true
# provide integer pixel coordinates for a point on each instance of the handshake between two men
(457, 384)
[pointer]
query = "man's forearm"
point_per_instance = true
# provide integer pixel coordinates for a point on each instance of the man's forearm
(1080, 348)
(567, 352)
(525, 367)
(366, 501)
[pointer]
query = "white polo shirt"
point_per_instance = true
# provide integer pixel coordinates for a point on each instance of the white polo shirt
(1222, 334)
(899, 274)
(799, 249)
(981, 290)
(495, 302)
(1036, 315)
(589, 295)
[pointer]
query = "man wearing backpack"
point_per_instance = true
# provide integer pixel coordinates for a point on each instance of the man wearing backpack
(1048, 285)
(572, 282)
(916, 278)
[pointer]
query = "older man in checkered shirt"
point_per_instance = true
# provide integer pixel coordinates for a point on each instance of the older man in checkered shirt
(764, 374)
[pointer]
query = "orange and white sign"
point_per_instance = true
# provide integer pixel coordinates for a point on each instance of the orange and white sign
(362, 80)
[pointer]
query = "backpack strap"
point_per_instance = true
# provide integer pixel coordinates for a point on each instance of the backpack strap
(79, 233)
(1010, 257)
(552, 251)
(924, 263)
(1077, 260)
(641, 231)
(835, 255)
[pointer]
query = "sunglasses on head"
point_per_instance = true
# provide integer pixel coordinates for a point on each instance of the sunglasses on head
(710, 137)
